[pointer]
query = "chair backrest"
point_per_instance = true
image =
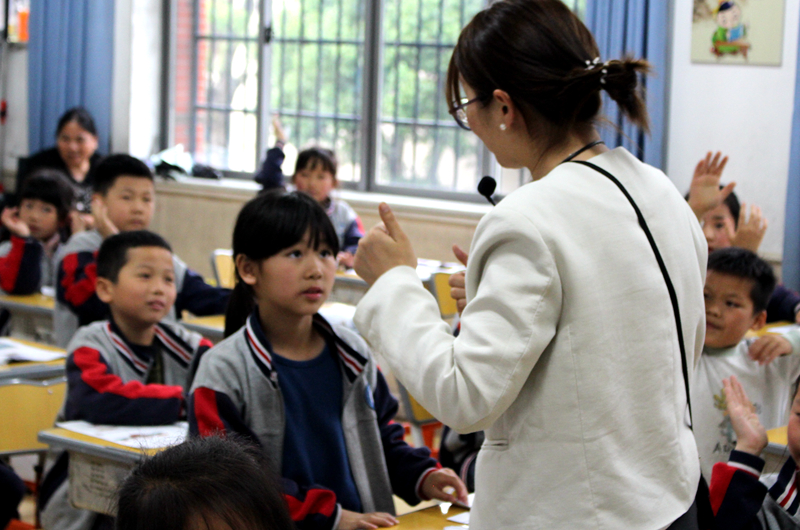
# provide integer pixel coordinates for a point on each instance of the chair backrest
(223, 267)
(441, 290)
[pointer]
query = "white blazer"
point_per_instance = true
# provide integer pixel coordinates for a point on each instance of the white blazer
(568, 355)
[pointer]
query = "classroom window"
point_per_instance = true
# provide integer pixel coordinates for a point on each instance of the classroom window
(365, 78)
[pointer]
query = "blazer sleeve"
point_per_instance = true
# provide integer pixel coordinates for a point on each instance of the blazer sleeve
(199, 297)
(21, 267)
(76, 286)
(270, 175)
(735, 492)
(509, 321)
(97, 395)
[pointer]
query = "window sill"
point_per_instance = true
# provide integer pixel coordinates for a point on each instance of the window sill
(418, 207)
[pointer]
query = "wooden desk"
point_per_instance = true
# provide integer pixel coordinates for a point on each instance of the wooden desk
(31, 316)
(96, 468)
(31, 395)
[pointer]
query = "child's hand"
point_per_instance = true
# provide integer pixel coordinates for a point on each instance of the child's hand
(15, 225)
(346, 259)
(704, 192)
(384, 247)
(441, 479)
(101, 221)
(751, 436)
(457, 281)
(768, 348)
(355, 521)
(750, 232)
(80, 222)
(280, 135)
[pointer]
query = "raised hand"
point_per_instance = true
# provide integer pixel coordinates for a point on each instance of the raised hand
(11, 220)
(355, 521)
(384, 247)
(704, 192)
(751, 436)
(102, 223)
(750, 230)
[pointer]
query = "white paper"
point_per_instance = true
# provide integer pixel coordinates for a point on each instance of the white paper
(148, 437)
(462, 518)
(11, 350)
(48, 291)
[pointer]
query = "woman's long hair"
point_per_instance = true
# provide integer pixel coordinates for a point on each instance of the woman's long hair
(267, 224)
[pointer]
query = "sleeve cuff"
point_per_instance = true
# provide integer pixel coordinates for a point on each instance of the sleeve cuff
(746, 462)
(337, 517)
(421, 481)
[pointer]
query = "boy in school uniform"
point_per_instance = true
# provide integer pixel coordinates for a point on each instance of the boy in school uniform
(738, 286)
(132, 369)
(124, 198)
(739, 499)
(36, 227)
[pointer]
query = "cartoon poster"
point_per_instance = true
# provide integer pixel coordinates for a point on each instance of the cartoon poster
(737, 31)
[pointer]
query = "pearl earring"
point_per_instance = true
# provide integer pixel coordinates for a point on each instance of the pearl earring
(502, 126)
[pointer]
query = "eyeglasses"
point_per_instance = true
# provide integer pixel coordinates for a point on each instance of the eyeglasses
(459, 112)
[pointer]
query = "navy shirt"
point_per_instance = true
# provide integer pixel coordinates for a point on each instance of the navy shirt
(314, 450)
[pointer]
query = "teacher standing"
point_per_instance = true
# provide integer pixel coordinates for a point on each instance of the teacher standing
(568, 355)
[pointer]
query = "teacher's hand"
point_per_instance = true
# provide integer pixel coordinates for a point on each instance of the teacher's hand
(384, 247)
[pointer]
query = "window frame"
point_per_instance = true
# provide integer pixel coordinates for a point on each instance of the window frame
(370, 105)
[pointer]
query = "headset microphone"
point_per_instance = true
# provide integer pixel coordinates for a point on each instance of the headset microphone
(486, 187)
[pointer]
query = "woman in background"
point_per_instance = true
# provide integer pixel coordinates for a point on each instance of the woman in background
(75, 154)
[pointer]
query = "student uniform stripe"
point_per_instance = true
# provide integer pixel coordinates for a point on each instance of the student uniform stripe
(184, 357)
(259, 349)
(744, 467)
(126, 353)
(788, 495)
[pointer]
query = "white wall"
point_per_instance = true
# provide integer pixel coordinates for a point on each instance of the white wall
(14, 88)
(744, 111)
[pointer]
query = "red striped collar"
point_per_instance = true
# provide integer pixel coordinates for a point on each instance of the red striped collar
(352, 361)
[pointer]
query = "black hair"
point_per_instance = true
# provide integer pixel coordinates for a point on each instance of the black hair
(203, 481)
(742, 263)
(50, 186)
(543, 56)
(79, 115)
(732, 202)
(267, 224)
(114, 166)
(113, 253)
(313, 156)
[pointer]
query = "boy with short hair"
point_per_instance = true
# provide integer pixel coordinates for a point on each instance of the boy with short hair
(738, 286)
(124, 198)
(36, 227)
(738, 499)
(132, 369)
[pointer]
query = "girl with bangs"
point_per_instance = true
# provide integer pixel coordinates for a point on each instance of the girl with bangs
(308, 392)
